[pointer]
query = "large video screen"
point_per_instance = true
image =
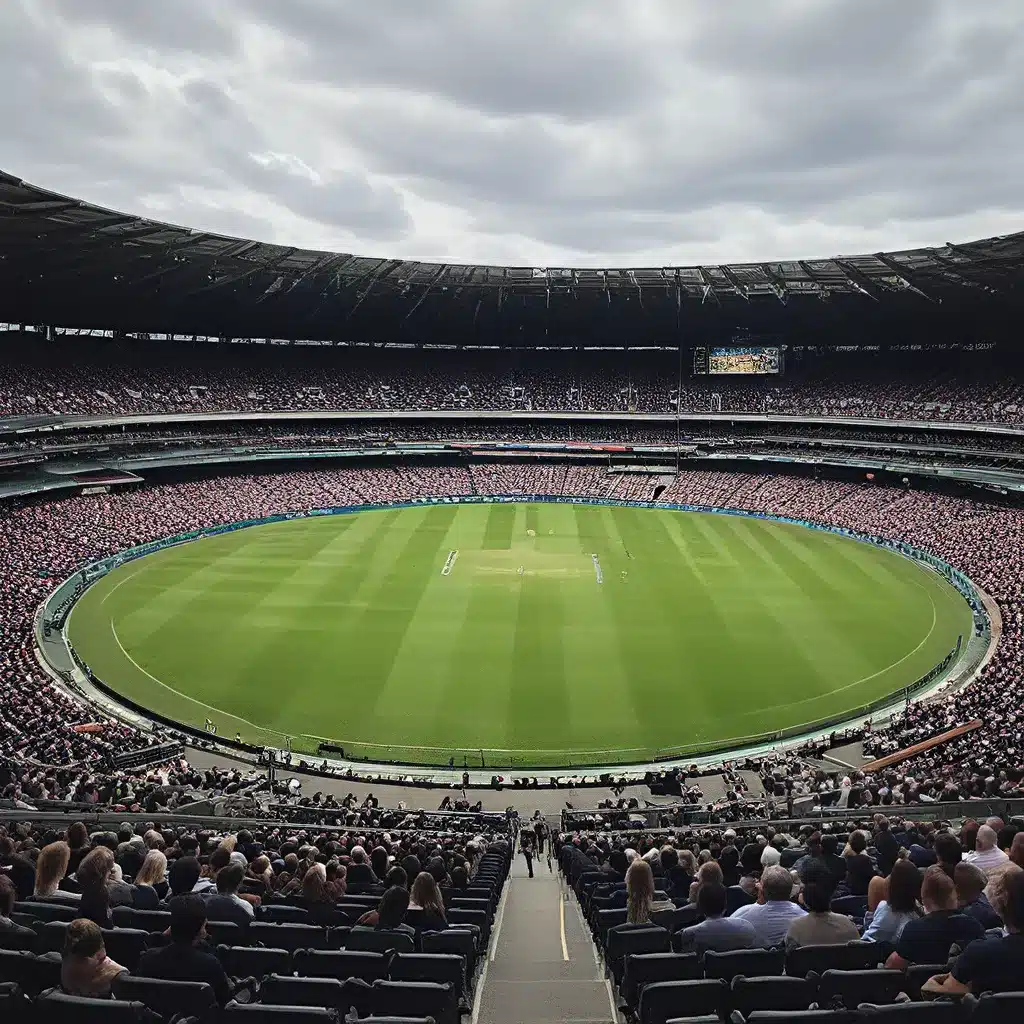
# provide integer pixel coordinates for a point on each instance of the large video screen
(747, 359)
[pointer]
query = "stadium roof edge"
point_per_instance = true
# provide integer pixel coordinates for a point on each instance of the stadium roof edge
(71, 262)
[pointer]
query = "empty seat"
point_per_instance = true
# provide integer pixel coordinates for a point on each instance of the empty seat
(288, 936)
(226, 933)
(167, 998)
(851, 906)
(917, 974)
(125, 945)
(773, 993)
(624, 940)
(257, 1013)
(735, 897)
(851, 988)
(55, 1007)
(606, 920)
(750, 963)
(341, 963)
(379, 942)
(282, 913)
(452, 940)
(853, 956)
(51, 937)
(46, 911)
(415, 999)
(147, 920)
(665, 1000)
(33, 973)
(281, 990)
(1004, 1008)
(643, 969)
(942, 1012)
(254, 962)
(480, 918)
(440, 967)
(802, 1017)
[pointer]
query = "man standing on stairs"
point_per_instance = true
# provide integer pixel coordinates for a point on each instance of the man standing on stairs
(526, 845)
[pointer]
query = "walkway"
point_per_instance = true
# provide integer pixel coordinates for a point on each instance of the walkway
(543, 965)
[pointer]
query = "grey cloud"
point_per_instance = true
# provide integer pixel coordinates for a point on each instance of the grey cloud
(596, 131)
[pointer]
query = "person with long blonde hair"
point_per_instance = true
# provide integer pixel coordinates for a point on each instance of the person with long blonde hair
(51, 867)
(151, 881)
(640, 902)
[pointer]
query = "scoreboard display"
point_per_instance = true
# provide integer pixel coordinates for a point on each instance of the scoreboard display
(747, 359)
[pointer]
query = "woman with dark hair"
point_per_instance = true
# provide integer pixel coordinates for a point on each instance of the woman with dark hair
(78, 843)
(426, 908)
(51, 869)
(391, 912)
(899, 905)
(92, 876)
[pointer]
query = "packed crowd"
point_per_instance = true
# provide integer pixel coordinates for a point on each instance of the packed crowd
(44, 542)
(58, 380)
(924, 891)
(406, 876)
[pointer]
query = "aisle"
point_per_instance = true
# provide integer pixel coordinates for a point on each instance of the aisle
(544, 966)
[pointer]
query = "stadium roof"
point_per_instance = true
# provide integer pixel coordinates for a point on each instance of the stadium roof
(66, 263)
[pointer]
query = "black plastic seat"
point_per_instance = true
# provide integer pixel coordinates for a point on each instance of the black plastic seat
(802, 1017)
(33, 973)
(226, 933)
(478, 917)
(51, 937)
(750, 963)
(146, 920)
(167, 998)
(735, 897)
(281, 990)
(1004, 1008)
(853, 956)
(55, 1007)
(643, 969)
(444, 968)
(780, 992)
(415, 999)
(917, 974)
(125, 945)
(341, 963)
(282, 913)
(851, 988)
(665, 1000)
(288, 936)
(606, 920)
(626, 940)
(257, 1013)
(46, 911)
(941, 1012)
(452, 940)
(254, 962)
(379, 942)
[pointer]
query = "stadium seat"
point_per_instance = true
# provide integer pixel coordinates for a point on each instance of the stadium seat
(253, 961)
(415, 999)
(452, 940)
(647, 968)
(851, 988)
(14, 1003)
(281, 990)
(736, 897)
(125, 945)
(750, 963)
(664, 1000)
(288, 936)
(46, 911)
(779, 992)
(943, 1012)
(802, 1017)
(56, 1007)
(380, 942)
(341, 964)
(33, 973)
(606, 920)
(167, 998)
(226, 933)
(626, 939)
(853, 956)
(15, 941)
(1004, 1008)
(257, 1013)
(280, 913)
(917, 974)
(440, 967)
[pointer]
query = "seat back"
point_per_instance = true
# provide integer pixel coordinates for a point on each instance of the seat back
(642, 969)
(913, 1013)
(282, 913)
(750, 963)
(56, 1007)
(341, 964)
(33, 973)
(379, 942)
(1004, 1008)
(288, 936)
(851, 988)
(624, 940)
(735, 897)
(415, 999)
(167, 998)
(853, 956)
(125, 945)
(46, 911)
(254, 962)
(440, 967)
(257, 1013)
(666, 1000)
(774, 993)
(282, 990)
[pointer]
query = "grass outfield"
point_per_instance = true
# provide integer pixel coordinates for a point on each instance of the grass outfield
(562, 633)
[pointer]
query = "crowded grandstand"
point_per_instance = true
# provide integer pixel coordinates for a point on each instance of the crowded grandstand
(172, 871)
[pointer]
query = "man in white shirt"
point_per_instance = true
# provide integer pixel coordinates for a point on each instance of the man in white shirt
(987, 856)
(772, 915)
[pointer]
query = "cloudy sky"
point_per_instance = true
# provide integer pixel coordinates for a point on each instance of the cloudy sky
(535, 132)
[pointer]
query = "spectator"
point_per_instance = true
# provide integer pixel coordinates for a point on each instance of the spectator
(92, 876)
(929, 939)
(359, 872)
(426, 908)
(900, 904)
(227, 905)
(182, 877)
(716, 932)
(640, 902)
(949, 852)
(187, 958)
(819, 927)
(8, 895)
(772, 915)
(51, 868)
(151, 881)
(987, 856)
(86, 970)
(970, 882)
(990, 965)
(391, 913)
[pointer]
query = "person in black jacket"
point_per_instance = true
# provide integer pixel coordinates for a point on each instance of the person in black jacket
(187, 958)
(7, 897)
